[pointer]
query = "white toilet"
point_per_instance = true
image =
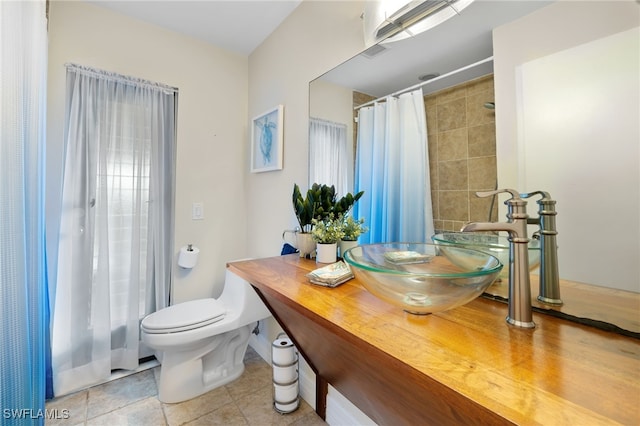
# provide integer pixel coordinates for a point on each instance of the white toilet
(201, 343)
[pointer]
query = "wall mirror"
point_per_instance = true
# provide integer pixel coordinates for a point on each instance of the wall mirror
(557, 68)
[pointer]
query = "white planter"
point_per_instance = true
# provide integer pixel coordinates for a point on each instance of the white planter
(326, 253)
(305, 244)
(346, 245)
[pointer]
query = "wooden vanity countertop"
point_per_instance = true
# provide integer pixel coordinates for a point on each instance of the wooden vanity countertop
(465, 365)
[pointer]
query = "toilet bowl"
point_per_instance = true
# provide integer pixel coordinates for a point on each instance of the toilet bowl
(201, 343)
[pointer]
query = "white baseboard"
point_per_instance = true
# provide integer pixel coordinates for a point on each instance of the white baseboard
(307, 382)
(341, 412)
(261, 345)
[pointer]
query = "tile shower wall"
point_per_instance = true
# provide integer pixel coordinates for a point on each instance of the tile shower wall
(462, 152)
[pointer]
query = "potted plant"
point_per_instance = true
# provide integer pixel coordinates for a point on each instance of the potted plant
(319, 203)
(343, 206)
(351, 229)
(304, 208)
(327, 232)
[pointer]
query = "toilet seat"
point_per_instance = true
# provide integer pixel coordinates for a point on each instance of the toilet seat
(184, 316)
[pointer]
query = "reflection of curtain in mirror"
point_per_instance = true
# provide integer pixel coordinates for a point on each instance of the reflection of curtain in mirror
(392, 167)
(330, 159)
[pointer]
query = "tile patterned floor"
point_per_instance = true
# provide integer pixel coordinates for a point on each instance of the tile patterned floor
(132, 400)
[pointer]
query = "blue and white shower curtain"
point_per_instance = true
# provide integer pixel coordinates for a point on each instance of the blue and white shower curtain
(23, 278)
(392, 167)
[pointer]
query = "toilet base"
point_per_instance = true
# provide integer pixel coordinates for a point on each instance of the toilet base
(186, 373)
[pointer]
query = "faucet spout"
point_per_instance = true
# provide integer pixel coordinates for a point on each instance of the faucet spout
(520, 312)
(511, 228)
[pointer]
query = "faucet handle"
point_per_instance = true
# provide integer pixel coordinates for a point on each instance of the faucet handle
(515, 195)
(545, 195)
(545, 203)
(516, 206)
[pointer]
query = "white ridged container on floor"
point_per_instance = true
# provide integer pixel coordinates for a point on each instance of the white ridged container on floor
(286, 391)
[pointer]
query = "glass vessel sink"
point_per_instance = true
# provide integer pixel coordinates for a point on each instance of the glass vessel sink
(423, 278)
(495, 245)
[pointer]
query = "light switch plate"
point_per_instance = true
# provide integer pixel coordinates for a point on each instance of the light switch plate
(197, 211)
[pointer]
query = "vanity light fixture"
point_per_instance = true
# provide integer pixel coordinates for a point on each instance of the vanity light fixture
(409, 15)
(393, 20)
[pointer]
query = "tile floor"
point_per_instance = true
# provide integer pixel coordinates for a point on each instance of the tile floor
(132, 400)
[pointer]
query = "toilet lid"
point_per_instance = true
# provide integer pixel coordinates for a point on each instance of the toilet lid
(184, 316)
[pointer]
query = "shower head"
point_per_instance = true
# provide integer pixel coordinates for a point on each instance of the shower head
(490, 105)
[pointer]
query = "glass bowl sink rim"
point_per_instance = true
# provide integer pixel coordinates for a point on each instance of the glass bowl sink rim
(534, 244)
(348, 257)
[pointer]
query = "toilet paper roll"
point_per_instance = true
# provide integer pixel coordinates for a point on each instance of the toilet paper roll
(285, 375)
(283, 353)
(285, 394)
(188, 257)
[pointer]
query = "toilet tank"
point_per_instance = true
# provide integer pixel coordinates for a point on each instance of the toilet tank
(241, 299)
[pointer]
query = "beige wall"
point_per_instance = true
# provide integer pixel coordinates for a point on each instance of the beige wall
(212, 124)
(331, 102)
(316, 37)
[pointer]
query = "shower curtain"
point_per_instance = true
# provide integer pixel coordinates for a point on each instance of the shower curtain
(392, 167)
(23, 279)
(116, 227)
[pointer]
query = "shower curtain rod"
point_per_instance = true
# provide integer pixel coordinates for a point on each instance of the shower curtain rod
(424, 83)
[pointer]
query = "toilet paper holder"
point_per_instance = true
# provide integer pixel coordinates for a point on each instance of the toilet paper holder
(286, 389)
(188, 256)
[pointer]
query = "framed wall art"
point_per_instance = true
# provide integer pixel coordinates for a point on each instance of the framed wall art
(267, 140)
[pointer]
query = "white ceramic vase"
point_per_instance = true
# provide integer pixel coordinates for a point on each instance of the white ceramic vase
(326, 253)
(346, 245)
(305, 244)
